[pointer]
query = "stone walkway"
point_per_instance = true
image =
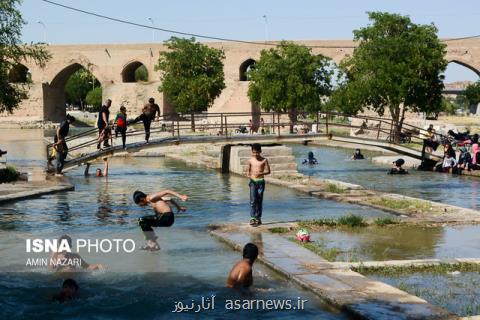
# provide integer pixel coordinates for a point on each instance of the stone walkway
(23, 190)
(341, 287)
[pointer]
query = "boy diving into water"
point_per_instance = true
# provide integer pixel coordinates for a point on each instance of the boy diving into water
(258, 167)
(163, 217)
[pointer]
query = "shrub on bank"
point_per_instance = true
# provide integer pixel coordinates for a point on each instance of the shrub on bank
(8, 174)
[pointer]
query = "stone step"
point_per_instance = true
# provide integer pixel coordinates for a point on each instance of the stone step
(271, 160)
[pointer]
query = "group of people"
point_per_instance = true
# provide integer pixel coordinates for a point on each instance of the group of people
(150, 112)
(164, 209)
(466, 160)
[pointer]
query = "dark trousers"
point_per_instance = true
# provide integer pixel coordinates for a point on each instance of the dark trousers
(147, 121)
(257, 189)
(61, 156)
(123, 133)
(146, 223)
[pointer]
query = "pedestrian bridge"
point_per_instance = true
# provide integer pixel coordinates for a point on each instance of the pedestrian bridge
(225, 129)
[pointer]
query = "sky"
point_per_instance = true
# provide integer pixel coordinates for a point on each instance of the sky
(243, 20)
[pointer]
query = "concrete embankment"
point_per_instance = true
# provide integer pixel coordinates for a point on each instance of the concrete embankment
(409, 209)
(24, 190)
(348, 290)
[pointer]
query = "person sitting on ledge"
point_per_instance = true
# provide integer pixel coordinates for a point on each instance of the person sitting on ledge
(358, 155)
(397, 167)
(449, 163)
(68, 292)
(241, 274)
(310, 160)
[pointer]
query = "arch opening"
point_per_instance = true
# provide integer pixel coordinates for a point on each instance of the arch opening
(135, 72)
(245, 68)
(73, 88)
(19, 74)
(456, 78)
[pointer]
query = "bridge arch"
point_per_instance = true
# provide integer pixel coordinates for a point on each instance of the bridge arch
(131, 69)
(54, 98)
(245, 67)
(466, 65)
(19, 73)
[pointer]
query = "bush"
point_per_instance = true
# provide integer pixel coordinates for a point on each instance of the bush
(383, 221)
(94, 98)
(351, 220)
(8, 174)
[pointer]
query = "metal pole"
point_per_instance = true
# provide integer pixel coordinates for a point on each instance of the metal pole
(178, 128)
(173, 128)
(226, 127)
(278, 118)
(326, 123)
(221, 123)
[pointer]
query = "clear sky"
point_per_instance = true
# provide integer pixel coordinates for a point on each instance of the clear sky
(290, 20)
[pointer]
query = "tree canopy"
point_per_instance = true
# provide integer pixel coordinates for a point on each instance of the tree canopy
(79, 85)
(191, 73)
(397, 66)
(14, 53)
(472, 93)
(290, 78)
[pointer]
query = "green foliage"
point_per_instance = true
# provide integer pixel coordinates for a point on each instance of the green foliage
(290, 78)
(472, 93)
(8, 174)
(331, 187)
(94, 99)
(448, 106)
(191, 73)
(13, 53)
(78, 86)
(397, 66)
(401, 204)
(279, 230)
(319, 248)
(141, 74)
(351, 220)
(383, 221)
(317, 222)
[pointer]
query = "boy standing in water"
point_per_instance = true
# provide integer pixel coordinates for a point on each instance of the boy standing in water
(163, 216)
(258, 167)
(241, 274)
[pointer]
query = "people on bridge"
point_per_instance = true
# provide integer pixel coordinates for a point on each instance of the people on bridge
(397, 167)
(311, 160)
(60, 148)
(358, 155)
(121, 125)
(98, 171)
(258, 167)
(149, 111)
(102, 124)
(241, 275)
(163, 216)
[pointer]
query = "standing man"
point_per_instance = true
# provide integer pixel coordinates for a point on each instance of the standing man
(102, 123)
(258, 168)
(59, 145)
(149, 113)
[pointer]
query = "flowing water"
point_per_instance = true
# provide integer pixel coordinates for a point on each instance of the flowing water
(335, 163)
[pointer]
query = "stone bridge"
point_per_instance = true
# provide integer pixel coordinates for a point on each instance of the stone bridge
(114, 66)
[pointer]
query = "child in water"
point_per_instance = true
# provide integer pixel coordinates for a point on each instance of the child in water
(163, 216)
(241, 274)
(258, 167)
(358, 155)
(397, 167)
(68, 291)
(310, 160)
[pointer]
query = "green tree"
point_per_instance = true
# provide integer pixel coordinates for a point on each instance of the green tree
(78, 85)
(397, 67)
(192, 75)
(472, 93)
(94, 99)
(13, 53)
(290, 78)
(141, 74)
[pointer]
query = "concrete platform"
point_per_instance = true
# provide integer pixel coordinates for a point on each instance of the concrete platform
(23, 190)
(343, 288)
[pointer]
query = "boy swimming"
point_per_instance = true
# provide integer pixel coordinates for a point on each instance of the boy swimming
(241, 273)
(163, 216)
(68, 292)
(258, 167)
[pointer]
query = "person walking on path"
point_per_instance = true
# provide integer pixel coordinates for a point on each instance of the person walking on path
(258, 167)
(60, 148)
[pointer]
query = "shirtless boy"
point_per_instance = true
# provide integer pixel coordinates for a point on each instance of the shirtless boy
(163, 216)
(258, 167)
(241, 274)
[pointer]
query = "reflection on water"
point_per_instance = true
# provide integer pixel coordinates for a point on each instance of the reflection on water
(335, 164)
(402, 242)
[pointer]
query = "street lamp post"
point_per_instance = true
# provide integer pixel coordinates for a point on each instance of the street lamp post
(44, 31)
(153, 30)
(266, 27)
